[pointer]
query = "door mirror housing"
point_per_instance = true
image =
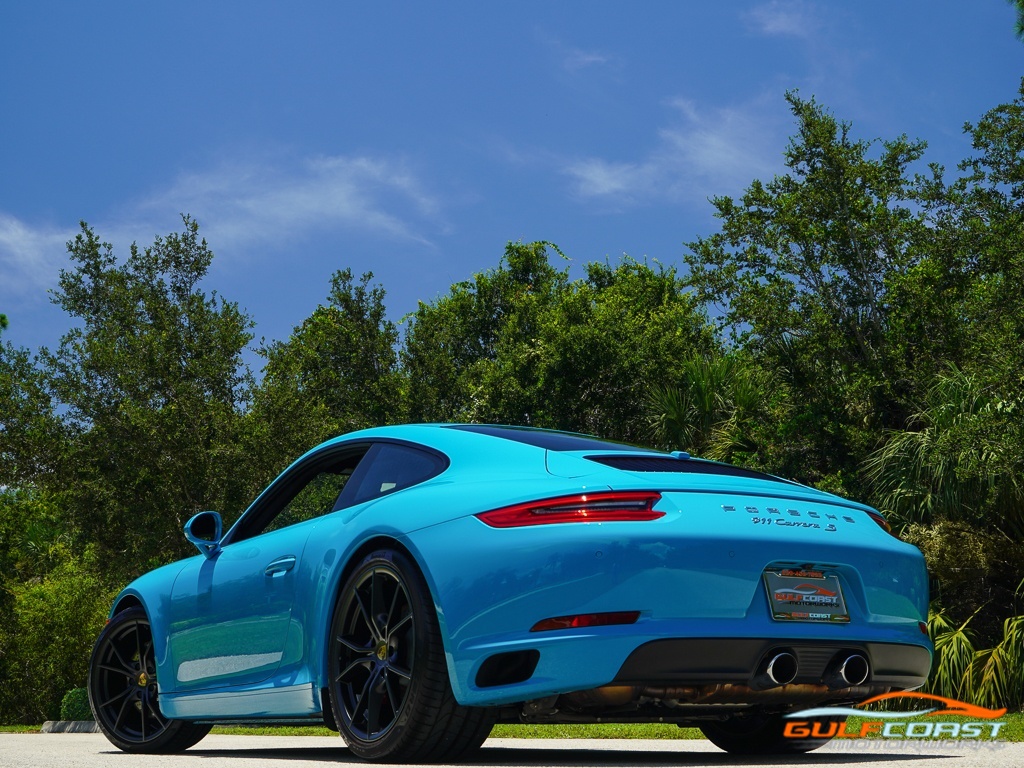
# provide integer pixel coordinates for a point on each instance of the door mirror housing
(205, 531)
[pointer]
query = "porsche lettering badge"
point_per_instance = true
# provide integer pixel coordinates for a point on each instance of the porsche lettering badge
(795, 518)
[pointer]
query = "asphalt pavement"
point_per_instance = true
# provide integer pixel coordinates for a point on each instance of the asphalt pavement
(79, 750)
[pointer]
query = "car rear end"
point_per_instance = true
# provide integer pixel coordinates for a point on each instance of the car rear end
(658, 587)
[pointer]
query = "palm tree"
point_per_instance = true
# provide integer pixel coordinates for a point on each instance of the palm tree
(709, 412)
(952, 461)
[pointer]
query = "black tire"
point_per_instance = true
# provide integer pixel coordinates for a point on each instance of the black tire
(123, 690)
(389, 686)
(764, 735)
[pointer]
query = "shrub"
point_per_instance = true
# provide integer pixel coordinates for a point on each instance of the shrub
(75, 705)
(978, 570)
(46, 642)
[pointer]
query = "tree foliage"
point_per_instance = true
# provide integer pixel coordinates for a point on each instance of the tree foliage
(338, 372)
(525, 344)
(714, 409)
(455, 345)
(801, 271)
(961, 455)
(47, 638)
(1018, 25)
(956, 461)
(147, 390)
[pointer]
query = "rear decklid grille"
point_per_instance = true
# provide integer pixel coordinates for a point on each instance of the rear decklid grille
(674, 465)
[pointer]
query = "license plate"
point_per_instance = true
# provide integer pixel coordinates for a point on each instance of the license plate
(805, 595)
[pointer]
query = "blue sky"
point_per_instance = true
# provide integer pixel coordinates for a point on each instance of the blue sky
(416, 139)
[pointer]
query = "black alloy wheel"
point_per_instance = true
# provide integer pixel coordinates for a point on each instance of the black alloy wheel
(376, 646)
(389, 684)
(123, 690)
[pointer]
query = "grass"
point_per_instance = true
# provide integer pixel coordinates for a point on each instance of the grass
(602, 731)
(598, 731)
(1012, 731)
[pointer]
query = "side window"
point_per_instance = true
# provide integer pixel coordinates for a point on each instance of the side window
(389, 467)
(315, 499)
(306, 492)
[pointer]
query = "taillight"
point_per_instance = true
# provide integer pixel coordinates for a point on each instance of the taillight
(586, 620)
(882, 522)
(602, 507)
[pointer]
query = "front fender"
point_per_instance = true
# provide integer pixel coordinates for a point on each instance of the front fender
(152, 592)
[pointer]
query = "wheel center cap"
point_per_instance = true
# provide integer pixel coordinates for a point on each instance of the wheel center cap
(382, 651)
(143, 680)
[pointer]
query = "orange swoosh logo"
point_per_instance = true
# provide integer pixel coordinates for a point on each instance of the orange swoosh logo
(952, 706)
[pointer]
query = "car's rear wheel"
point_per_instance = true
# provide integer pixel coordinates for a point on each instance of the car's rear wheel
(757, 734)
(389, 685)
(123, 690)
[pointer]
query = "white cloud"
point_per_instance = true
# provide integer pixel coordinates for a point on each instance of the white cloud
(575, 59)
(571, 59)
(238, 205)
(788, 18)
(242, 203)
(699, 154)
(30, 259)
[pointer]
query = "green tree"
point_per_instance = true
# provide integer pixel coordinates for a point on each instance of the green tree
(52, 605)
(150, 385)
(524, 344)
(46, 640)
(978, 240)
(453, 344)
(802, 268)
(959, 316)
(32, 436)
(608, 340)
(338, 372)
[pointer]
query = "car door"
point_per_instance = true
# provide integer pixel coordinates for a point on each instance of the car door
(230, 614)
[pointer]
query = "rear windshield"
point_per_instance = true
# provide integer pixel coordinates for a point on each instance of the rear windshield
(549, 439)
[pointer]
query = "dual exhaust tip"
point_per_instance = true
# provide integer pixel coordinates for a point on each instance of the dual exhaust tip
(845, 671)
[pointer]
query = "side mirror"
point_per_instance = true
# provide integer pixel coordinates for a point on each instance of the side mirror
(204, 530)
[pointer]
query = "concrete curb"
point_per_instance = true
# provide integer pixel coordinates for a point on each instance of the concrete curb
(70, 726)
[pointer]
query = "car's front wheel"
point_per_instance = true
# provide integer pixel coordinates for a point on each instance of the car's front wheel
(389, 683)
(757, 734)
(123, 690)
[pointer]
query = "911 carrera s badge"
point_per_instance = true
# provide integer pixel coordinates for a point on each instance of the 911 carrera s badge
(794, 518)
(805, 596)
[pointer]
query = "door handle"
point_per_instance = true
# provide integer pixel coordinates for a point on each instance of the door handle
(280, 566)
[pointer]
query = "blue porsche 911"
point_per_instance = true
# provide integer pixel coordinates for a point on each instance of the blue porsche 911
(410, 586)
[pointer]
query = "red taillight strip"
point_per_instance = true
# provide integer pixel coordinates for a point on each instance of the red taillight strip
(586, 620)
(877, 517)
(602, 507)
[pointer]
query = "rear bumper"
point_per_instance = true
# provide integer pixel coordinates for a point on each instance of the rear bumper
(724, 661)
(688, 654)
